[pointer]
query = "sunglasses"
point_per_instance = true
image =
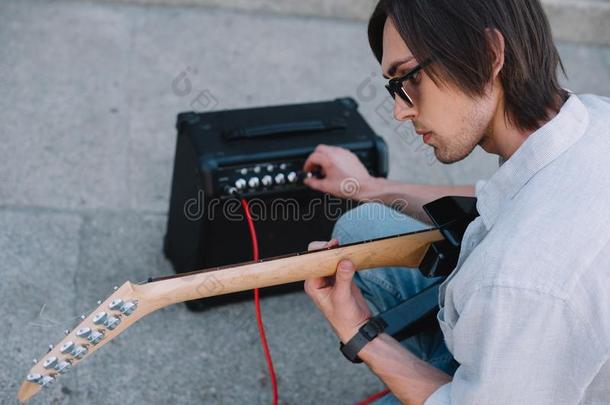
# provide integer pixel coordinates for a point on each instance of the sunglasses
(397, 85)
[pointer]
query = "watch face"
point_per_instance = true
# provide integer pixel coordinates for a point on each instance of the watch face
(366, 333)
(371, 329)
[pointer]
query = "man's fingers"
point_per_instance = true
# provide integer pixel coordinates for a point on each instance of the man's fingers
(318, 245)
(315, 284)
(316, 184)
(315, 160)
(328, 149)
(332, 243)
(318, 288)
(343, 279)
(357, 293)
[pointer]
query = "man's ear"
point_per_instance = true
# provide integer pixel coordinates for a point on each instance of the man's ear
(495, 39)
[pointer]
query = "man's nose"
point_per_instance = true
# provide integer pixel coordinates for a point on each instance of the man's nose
(402, 110)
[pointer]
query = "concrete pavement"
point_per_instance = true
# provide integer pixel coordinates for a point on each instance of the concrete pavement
(87, 143)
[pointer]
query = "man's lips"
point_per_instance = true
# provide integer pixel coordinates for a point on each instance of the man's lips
(425, 134)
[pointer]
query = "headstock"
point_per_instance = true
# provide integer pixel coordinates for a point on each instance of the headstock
(109, 319)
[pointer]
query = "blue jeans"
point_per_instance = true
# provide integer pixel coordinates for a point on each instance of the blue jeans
(383, 288)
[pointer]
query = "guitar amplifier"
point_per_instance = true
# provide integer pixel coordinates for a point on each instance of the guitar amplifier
(257, 154)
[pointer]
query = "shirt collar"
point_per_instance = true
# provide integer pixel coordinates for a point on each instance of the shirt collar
(539, 149)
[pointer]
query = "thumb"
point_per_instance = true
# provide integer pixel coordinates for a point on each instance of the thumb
(343, 278)
(315, 183)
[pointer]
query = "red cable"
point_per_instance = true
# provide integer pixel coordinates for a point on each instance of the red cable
(259, 318)
(257, 305)
(374, 397)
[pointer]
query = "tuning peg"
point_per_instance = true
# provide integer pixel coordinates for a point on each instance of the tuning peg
(115, 288)
(49, 348)
(83, 332)
(116, 304)
(39, 379)
(129, 307)
(126, 308)
(67, 347)
(112, 322)
(51, 362)
(100, 318)
(82, 316)
(46, 380)
(63, 366)
(95, 337)
(99, 302)
(35, 361)
(70, 348)
(35, 378)
(67, 332)
(79, 352)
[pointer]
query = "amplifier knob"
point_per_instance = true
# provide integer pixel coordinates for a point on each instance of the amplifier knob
(292, 177)
(267, 181)
(283, 166)
(270, 168)
(253, 182)
(257, 169)
(244, 171)
(279, 178)
(240, 184)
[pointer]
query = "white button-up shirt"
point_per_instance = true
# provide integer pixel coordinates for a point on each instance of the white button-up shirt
(526, 312)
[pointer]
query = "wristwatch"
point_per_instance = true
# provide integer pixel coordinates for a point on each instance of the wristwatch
(366, 333)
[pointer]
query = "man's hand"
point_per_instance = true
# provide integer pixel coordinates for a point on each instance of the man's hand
(412, 380)
(338, 297)
(344, 174)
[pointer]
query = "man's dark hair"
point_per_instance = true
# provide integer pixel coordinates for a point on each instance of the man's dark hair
(452, 33)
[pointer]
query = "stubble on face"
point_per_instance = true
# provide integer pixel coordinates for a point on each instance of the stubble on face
(472, 128)
(458, 121)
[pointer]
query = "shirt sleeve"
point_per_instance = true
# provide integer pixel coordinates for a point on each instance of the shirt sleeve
(519, 346)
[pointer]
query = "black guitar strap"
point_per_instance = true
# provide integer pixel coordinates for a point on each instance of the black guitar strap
(451, 215)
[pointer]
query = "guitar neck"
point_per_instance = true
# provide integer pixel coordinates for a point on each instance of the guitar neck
(131, 302)
(398, 251)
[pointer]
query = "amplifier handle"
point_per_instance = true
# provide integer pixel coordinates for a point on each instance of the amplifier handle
(283, 128)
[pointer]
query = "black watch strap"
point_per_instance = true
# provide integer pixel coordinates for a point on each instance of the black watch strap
(366, 333)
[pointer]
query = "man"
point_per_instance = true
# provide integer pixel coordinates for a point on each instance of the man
(525, 316)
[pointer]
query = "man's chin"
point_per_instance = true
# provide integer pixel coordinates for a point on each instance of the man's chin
(448, 158)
